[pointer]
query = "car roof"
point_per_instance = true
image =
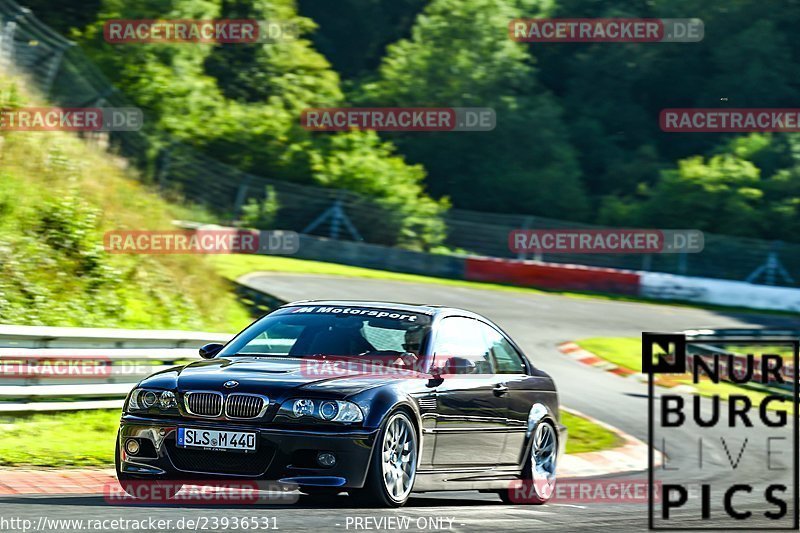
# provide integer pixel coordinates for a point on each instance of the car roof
(428, 309)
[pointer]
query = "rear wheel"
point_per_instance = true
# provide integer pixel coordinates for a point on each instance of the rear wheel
(393, 465)
(539, 474)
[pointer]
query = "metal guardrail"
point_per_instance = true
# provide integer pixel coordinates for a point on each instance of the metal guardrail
(720, 336)
(743, 333)
(64, 369)
(47, 337)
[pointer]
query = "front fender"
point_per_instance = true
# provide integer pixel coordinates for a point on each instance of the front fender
(378, 403)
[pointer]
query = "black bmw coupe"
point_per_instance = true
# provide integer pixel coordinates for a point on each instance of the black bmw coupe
(376, 399)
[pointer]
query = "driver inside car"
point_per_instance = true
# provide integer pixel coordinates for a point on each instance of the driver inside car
(412, 346)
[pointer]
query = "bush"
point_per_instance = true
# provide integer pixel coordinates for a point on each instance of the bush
(261, 215)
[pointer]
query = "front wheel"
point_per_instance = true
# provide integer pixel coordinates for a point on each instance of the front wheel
(393, 465)
(539, 474)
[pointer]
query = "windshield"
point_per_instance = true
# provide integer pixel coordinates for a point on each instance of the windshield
(315, 331)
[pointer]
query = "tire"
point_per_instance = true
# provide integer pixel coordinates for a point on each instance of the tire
(538, 478)
(129, 482)
(393, 465)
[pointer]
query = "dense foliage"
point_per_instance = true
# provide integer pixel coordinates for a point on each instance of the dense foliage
(54, 270)
(577, 135)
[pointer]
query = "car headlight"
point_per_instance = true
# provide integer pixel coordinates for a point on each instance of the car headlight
(303, 408)
(146, 399)
(167, 400)
(326, 410)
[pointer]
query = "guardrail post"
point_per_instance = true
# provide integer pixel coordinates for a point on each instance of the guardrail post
(53, 69)
(771, 269)
(526, 224)
(241, 195)
(162, 167)
(7, 44)
(682, 263)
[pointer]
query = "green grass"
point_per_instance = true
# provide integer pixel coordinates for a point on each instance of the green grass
(622, 351)
(585, 436)
(86, 438)
(78, 439)
(724, 390)
(235, 266)
(59, 195)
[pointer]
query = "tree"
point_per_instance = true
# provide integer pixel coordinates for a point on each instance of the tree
(261, 214)
(361, 161)
(353, 34)
(459, 55)
(241, 105)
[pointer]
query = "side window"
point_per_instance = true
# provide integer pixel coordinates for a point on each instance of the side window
(507, 359)
(461, 347)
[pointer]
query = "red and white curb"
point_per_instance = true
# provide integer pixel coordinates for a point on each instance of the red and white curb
(572, 350)
(631, 456)
(25, 481)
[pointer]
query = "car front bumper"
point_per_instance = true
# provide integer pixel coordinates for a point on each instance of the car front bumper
(285, 455)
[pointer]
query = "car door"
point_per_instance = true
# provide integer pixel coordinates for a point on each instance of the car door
(512, 375)
(470, 414)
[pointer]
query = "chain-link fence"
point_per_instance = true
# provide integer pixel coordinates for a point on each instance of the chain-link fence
(65, 76)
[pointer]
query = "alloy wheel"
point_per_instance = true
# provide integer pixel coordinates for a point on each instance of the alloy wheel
(399, 457)
(543, 459)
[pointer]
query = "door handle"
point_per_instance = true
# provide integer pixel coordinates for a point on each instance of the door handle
(500, 389)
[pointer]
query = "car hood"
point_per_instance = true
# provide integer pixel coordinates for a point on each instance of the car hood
(275, 377)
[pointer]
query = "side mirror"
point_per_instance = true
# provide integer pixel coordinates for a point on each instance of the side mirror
(436, 377)
(210, 350)
(458, 365)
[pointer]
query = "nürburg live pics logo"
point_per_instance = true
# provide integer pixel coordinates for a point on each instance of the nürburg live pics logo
(723, 411)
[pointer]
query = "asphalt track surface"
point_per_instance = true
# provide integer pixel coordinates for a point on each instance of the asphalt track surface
(538, 323)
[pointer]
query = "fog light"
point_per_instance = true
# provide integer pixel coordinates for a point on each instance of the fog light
(326, 459)
(132, 446)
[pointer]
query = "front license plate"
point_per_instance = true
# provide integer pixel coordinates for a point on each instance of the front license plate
(211, 439)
